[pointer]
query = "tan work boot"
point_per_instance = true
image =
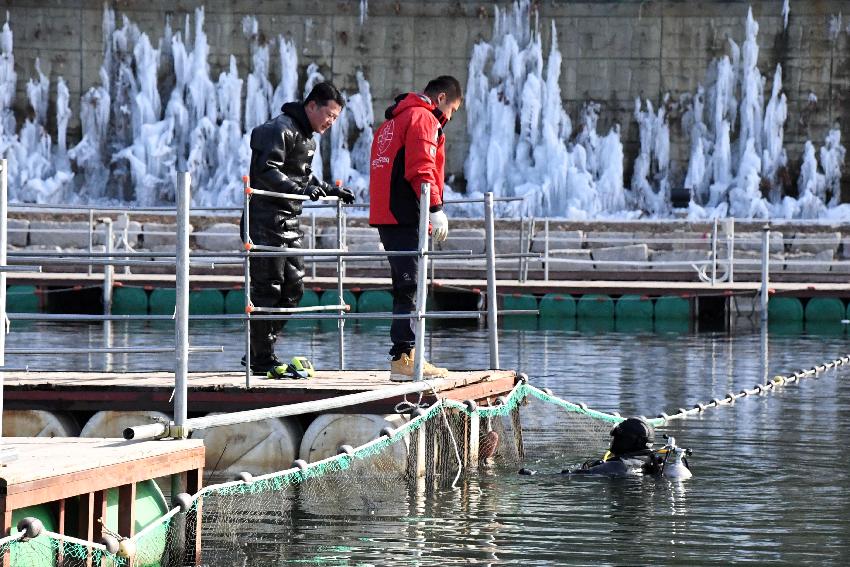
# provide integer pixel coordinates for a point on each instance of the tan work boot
(401, 370)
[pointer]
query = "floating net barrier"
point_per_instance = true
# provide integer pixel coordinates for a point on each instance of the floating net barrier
(249, 521)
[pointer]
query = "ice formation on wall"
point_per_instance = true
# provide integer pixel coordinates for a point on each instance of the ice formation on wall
(351, 166)
(509, 84)
(133, 142)
(158, 109)
(37, 170)
(747, 177)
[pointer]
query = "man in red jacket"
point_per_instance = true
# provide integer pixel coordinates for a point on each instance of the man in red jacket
(408, 151)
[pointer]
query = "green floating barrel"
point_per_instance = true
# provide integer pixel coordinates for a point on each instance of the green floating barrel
(309, 299)
(557, 305)
(672, 309)
(825, 328)
(375, 301)
(785, 328)
(206, 302)
(331, 297)
(825, 309)
(22, 554)
(632, 325)
(129, 301)
(593, 306)
(788, 309)
(162, 301)
(22, 299)
(634, 307)
(150, 505)
(673, 326)
(595, 325)
(517, 301)
(234, 301)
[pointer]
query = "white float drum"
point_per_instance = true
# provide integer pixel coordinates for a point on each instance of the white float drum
(111, 424)
(329, 431)
(258, 447)
(38, 423)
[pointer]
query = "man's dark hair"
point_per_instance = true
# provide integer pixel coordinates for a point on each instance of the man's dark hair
(323, 93)
(444, 84)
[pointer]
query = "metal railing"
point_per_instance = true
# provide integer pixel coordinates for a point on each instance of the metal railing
(184, 260)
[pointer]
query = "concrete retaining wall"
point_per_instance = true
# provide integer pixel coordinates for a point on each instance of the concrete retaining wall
(612, 51)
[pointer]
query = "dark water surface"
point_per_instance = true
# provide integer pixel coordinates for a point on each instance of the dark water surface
(771, 482)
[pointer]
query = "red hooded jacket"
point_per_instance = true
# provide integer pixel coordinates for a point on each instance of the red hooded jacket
(408, 150)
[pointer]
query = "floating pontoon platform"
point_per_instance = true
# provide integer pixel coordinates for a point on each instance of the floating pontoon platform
(226, 391)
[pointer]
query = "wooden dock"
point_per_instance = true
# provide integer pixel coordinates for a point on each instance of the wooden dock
(51, 471)
(226, 391)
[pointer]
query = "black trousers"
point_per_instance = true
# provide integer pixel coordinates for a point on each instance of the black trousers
(403, 270)
(275, 282)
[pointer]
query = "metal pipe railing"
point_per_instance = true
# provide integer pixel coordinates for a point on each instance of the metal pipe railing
(340, 274)
(158, 430)
(492, 317)
(765, 270)
(4, 245)
(421, 282)
(181, 307)
(246, 239)
(110, 350)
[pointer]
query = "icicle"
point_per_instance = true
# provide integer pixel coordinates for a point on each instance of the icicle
(832, 155)
(286, 89)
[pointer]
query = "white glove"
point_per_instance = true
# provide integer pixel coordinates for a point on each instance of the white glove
(439, 226)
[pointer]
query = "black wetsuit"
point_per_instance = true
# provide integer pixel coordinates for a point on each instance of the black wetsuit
(281, 161)
(643, 462)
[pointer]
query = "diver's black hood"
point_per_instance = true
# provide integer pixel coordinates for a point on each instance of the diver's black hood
(632, 435)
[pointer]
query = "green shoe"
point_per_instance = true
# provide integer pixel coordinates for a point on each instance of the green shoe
(298, 368)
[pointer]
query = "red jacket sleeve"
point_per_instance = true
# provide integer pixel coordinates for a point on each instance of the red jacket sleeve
(420, 157)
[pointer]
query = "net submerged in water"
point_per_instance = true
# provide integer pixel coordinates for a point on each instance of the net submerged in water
(251, 521)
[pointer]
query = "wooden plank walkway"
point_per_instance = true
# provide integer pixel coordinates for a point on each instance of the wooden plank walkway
(53, 470)
(642, 283)
(225, 391)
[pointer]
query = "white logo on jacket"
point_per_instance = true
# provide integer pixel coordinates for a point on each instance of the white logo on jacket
(385, 137)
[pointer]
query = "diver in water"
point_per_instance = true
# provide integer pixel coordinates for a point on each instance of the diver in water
(631, 453)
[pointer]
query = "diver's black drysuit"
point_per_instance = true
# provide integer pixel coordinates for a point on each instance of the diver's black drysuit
(281, 161)
(645, 462)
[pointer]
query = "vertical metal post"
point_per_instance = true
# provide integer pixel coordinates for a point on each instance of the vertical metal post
(108, 284)
(528, 242)
(730, 246)
(125, 238)
(340, 273)
(433, 265)
(714, 253)
(421, 281)
(765, 269)
(546, 250)
(521, 242)
(490, 244)
(181, 311)
(313, 241)
(246, 239)
(473, 440)
(4, 241)
(91, 236)
(108, 269)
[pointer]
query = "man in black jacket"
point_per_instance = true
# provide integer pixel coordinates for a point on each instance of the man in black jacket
(281, 156)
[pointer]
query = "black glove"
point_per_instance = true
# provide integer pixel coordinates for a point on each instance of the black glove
(345, 194)
(314, 192)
